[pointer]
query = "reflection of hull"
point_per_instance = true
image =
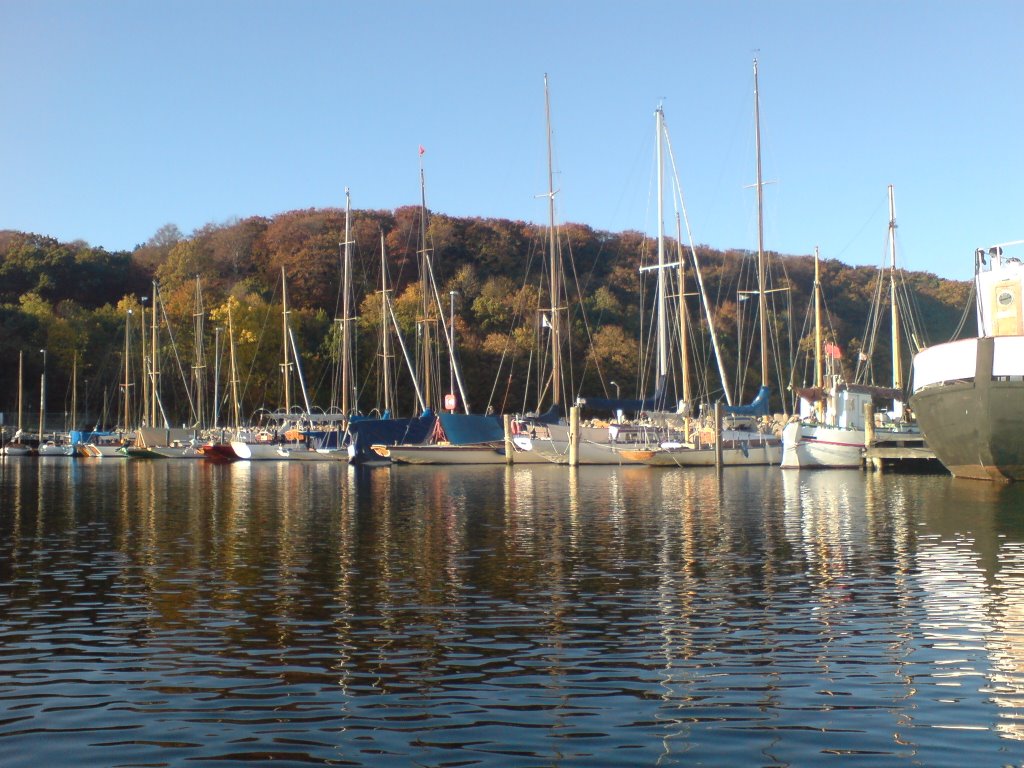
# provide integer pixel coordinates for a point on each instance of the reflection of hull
(976, 426)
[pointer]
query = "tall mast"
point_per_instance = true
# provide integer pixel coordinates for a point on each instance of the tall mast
(684, 331)
(427, 350)
(199, 367)
(662, 318)
(708, 313)
(286, 365)
(154, 394)
(74, 391)
(555, 276)
(348, 395)
(21, 379)
(386, 364)
(42, 399)
(144, 370)
(762, 303)
(897, 369)
(127, 369)
(234, 375)
(819, 378)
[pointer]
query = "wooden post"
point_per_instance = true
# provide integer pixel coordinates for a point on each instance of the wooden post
(718, 437)
(509, 445)
(574, 436)
(869, 436)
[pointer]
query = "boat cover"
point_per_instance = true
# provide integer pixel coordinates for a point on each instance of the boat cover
(364, 433)
(757, 407)
(467, 429)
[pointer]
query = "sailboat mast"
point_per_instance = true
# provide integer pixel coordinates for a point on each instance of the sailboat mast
(684, 331)
(21, 379)
(386, 362)
(555, 273)
(347, 379)
(127, 370)
(762, 303)
(286, 365)
(154, 367)
(234, 375)
(74, 391)
(199, 367)
(818, 375)
(897, 369)
(427, 372)
(662, 318)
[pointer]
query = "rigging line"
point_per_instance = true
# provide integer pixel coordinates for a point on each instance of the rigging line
(966, 313)
(177, 359)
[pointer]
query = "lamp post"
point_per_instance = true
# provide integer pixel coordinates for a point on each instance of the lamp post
(42, 397)
(618, 411)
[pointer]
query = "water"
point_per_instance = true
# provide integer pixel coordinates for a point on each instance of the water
(183, 613)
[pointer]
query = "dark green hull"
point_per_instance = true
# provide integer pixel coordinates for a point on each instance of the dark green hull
(976, 428)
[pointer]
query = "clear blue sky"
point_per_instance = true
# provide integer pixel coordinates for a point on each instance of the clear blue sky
(122, 116)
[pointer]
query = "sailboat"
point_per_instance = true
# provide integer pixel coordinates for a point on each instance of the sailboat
(324, 434)
(745, 440)
(968, 393)
(831, 429)
(263, 442)
(17, 447)
(447, 438)
(162, 442)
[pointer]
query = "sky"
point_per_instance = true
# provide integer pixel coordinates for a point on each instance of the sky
(119, 116)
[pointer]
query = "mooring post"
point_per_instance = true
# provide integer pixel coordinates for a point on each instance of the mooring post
(574, 436)
(509, 445)
(869, 437)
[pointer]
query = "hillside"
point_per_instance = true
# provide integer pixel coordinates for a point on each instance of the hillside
(74, 300)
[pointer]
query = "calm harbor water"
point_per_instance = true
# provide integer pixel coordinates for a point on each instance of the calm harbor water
(185, 613)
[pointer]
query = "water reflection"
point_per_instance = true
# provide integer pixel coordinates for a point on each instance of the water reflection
(157, 612)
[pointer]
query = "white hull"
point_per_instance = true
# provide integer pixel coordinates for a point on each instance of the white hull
(16, 449)
(751, 454)
(101, 451)
(450, 454)
(822, 447)
(56, 450)
(260, 451)
(187, 452)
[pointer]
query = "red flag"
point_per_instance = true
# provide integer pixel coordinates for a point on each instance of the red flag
(832, 350)
(422, 150)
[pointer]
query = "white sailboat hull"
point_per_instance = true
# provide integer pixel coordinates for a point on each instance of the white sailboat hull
(819, 446)
(258, 451)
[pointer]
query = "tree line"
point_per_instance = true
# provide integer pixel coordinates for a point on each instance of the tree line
(82, 303)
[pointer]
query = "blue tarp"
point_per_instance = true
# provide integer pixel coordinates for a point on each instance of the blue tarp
(368, 432)
(467, 429)
(758, 407)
